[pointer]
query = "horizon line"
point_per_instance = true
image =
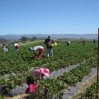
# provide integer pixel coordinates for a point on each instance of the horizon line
(53, 33)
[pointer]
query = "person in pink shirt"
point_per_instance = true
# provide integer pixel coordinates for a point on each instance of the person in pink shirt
(39, 49)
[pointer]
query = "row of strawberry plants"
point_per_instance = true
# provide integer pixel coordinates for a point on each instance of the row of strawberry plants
(71, 78)
(12, 62)
(22, 59)
(68, 55)
(18, 65)
(91, 91)
(78, 73)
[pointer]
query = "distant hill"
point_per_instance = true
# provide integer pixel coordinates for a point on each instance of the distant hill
(56, 36)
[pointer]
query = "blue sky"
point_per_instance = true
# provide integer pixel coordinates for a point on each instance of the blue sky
(49, 16)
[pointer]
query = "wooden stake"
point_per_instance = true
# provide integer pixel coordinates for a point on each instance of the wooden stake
(98, 69)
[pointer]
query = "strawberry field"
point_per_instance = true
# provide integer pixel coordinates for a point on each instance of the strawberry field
(68, 66)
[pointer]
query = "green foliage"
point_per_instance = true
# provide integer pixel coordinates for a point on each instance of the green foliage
(20, 62)
(24, 38)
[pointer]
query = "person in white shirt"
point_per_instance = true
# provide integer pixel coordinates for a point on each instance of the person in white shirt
(39, 49)
(68, 43)
(16, 46)
(5, 48)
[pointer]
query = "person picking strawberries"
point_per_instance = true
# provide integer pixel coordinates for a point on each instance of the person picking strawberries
(35, 75)
(39, 50)
(16, 46)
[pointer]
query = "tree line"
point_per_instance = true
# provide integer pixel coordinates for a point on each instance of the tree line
(23, 39)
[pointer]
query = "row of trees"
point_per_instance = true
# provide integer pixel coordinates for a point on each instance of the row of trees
(23, 39)
(2, 40)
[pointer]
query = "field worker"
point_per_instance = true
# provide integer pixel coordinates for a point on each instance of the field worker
(35, 75)
(41, 72)
(5, 48)
(16, 46)
(94, 41)
(84, 42)
(39, 50)
(49, 45)
(68, 43)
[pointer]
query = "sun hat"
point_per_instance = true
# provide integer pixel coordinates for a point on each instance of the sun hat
(44, 71)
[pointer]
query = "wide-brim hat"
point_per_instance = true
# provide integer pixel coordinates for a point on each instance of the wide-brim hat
(44, 71)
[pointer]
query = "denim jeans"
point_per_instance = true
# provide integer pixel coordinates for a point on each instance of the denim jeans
(49, 52)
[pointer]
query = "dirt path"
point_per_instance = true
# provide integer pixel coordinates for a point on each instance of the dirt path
(21, 96)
